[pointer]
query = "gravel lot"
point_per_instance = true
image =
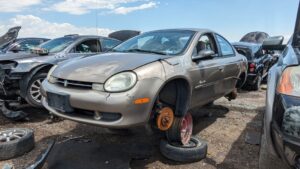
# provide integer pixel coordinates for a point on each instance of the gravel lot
(224, 129)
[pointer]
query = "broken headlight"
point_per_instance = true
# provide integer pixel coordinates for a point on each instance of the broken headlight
(289, 83)
(120, 82)
(50, 78)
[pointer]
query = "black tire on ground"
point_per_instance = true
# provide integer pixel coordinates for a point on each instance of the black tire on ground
(196, 151)
(29, 97)
(22, 141)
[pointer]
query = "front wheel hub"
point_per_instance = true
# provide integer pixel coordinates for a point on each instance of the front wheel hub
(165, 119)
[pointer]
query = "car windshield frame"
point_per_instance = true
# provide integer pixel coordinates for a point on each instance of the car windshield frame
(65, 43)
(156, 34)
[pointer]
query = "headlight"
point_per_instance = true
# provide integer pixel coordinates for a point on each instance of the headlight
(50, 78)
(120, 82)
(289, 82)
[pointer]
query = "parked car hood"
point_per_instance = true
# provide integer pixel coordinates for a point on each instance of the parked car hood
(255, 37)
(23, 56)
(99, 68)
(9, 36)
(15, 56)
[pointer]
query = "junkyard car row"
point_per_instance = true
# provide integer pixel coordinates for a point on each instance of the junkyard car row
(154, 79)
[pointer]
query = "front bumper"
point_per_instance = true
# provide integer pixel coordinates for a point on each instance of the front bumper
(285, 128)
(117, 109)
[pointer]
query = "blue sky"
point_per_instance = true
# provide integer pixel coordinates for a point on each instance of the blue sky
(232, 18)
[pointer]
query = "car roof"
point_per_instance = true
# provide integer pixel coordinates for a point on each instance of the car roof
(87, 36)
(32, 38)
(246, 44)
(185, 29)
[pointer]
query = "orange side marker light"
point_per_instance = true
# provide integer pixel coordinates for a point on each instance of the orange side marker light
(142, 100)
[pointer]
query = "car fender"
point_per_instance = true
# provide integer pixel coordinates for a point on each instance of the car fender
(273, 76)
(26, 79)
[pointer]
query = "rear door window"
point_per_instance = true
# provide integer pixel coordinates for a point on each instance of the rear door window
(225, 46)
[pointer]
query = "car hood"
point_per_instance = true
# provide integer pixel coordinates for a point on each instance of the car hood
(23, 56)
(255, 37)
(16, 56)
(99, 68)
(9, 36)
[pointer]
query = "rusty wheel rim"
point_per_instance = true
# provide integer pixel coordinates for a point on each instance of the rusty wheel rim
(186, 129)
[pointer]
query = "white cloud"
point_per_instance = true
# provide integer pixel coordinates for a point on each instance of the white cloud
(125, 10)
(16, 5)
(79, 7)
(33, 26)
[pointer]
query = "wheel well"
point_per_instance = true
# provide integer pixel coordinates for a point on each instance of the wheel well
(176, 94)
(26, 79)
(44, 69)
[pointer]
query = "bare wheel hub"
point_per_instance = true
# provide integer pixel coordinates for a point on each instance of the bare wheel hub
(186, 128)
(35, 90)
(165, 118)
(11, 135)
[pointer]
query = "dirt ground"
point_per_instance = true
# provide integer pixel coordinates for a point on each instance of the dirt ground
(224, 129)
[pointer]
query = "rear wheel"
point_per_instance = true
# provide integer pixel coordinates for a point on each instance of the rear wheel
(33, 93)
(257, 84)
(181, 130)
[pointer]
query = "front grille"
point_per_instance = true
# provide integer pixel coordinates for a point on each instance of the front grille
(73, 83)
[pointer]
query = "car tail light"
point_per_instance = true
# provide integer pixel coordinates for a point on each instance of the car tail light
(289, 82)
(252, 67)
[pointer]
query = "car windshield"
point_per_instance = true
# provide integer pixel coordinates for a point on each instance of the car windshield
(172, 42)
(57, 45)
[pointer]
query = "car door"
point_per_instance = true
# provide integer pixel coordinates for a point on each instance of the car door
(229, 65)
(85, 47)
(205, 72)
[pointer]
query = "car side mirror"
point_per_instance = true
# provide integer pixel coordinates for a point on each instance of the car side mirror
(16, 48)
(273, 43)
(204, 54)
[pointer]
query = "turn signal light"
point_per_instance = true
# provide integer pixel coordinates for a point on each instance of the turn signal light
(142, 100)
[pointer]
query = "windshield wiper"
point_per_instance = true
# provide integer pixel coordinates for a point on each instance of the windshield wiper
(146, 51)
